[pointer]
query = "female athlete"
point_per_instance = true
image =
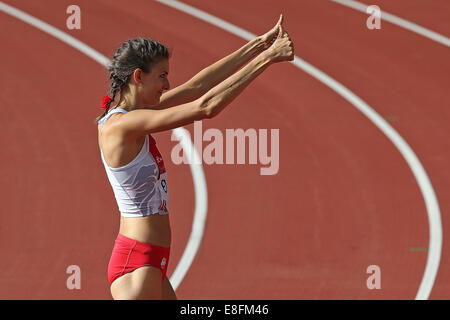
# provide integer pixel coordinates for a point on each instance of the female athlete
(135, 168)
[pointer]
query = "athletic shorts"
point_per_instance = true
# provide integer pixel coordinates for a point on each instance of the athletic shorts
(129, 254)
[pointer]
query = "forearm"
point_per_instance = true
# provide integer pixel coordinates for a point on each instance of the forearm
(223, 68)
(217, 98)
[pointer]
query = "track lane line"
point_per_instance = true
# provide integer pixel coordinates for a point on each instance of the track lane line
(429, 196)
(403, 23)
(182, 135)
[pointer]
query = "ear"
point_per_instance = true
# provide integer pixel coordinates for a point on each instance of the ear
(137, 75)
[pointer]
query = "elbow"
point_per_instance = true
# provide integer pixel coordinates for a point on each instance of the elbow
(207, 113)
(205, 109)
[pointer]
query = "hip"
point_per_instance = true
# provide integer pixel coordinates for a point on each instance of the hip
(129, 254)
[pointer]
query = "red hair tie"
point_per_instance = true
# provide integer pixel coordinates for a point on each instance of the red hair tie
(106, 101)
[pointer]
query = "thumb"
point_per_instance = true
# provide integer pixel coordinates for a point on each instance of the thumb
(280, 31)
(280, 21)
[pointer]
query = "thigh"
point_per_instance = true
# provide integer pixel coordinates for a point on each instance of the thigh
(167, 291)
(143, 283)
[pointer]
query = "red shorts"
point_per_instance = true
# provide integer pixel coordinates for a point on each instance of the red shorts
(129, 254)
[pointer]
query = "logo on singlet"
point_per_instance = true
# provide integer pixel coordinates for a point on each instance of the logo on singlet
(163, 206)
(163, 263)
(164, 185)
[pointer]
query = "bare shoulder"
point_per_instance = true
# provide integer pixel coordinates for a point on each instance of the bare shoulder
(117, 125)
(109, 125)
(118, 148)
(112, 131)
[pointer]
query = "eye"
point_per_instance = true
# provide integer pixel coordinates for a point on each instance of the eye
(163, 75)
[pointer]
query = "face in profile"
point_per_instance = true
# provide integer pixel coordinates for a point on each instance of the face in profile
(155, 82)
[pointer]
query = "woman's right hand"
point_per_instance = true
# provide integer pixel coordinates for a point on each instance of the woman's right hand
(282, 49)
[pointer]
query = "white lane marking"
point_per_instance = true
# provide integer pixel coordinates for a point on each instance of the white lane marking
(434, 216)
(399, 22)
(198, 175)
(201, 208)
(68, 39)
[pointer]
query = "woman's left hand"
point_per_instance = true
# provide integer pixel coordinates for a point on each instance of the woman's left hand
(269, 37)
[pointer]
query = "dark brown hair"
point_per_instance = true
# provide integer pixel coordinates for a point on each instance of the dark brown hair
(134, 53)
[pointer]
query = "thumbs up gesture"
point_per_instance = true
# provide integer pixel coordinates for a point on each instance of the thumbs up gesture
(269, 37)
(282, 48)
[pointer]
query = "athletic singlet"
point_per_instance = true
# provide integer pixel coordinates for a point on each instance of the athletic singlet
(140, 186)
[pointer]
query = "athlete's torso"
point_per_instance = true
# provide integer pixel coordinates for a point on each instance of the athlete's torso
(117, 152)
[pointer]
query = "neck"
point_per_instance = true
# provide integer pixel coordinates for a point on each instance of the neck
(129, 102)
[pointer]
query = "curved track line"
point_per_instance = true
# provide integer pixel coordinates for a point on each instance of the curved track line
(201, 206)
(183, 136)
(434, 216)
(399, 22)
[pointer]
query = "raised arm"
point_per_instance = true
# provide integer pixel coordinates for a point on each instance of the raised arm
(223, 68)
(216, 99)
(212, 75)
(144, 121)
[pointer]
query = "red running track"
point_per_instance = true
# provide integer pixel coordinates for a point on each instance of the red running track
(344, 198)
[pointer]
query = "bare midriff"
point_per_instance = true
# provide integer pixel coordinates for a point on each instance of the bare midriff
(153, 229)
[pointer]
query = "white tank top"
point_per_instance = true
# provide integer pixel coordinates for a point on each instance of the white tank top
(140, 186)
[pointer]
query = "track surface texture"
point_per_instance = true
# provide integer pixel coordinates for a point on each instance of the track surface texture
(344, 197)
